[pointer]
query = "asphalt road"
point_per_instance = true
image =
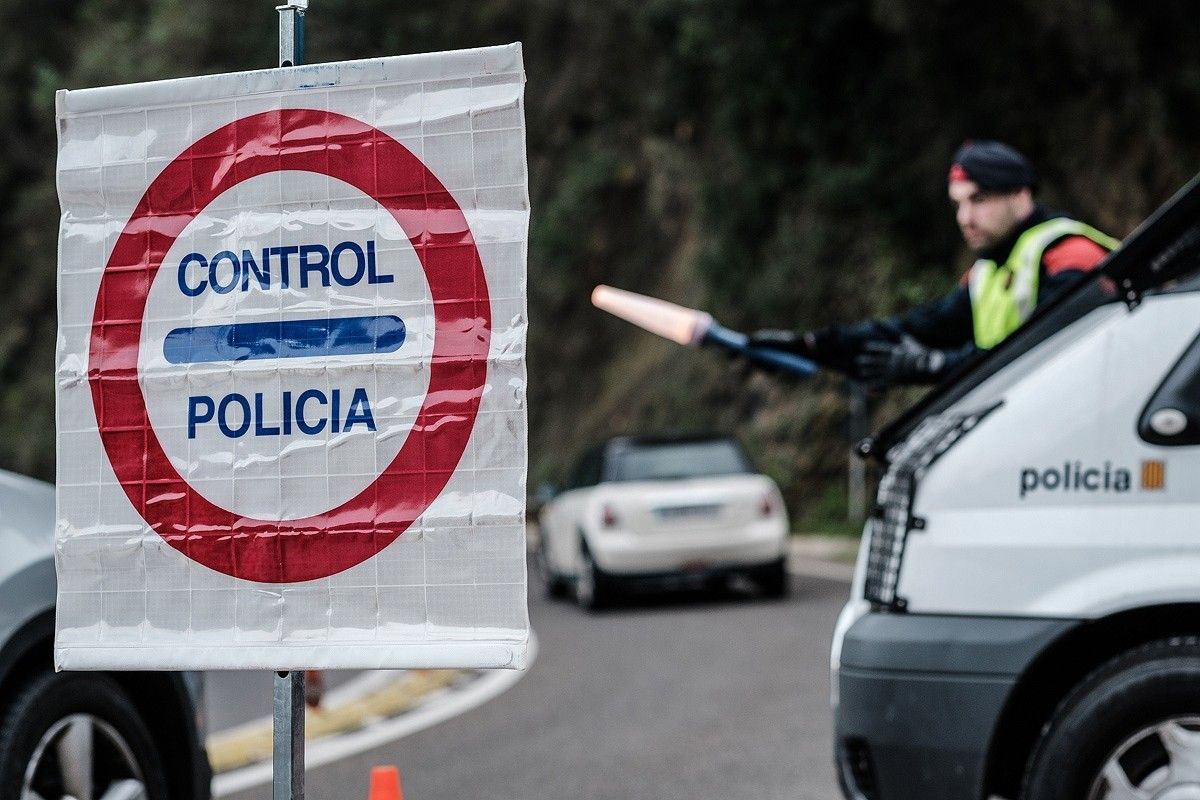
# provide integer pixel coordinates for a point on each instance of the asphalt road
(687, 697)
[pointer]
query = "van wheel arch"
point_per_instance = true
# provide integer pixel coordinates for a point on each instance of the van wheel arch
(1058, 669)
(1131, 724)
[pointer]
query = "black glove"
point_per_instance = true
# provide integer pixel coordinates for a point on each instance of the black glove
(908, 361)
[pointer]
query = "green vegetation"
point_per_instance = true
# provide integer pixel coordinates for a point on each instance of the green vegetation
(780, 163)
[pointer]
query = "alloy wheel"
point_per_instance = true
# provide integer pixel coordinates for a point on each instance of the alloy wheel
(82, 757)
(1161, 762)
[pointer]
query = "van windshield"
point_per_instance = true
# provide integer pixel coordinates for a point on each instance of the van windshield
(676, 460)
(1161, 256)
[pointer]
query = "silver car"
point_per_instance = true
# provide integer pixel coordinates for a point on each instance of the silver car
(82, 735)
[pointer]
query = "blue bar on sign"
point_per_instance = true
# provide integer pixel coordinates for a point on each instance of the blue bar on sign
(344, 336)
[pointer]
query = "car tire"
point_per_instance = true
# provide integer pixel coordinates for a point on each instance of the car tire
(593, 587)
(1120, 733)
(772, 580)
(65, 731)
(556, 586)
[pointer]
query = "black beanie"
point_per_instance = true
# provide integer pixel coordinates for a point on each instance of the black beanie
(994, 166)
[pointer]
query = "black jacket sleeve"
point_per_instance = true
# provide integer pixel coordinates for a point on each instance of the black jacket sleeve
(956, 358)
(944, 324)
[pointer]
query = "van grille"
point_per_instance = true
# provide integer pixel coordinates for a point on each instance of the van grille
(891, 519)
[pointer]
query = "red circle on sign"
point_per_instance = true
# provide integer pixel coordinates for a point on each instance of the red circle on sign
(294, 550)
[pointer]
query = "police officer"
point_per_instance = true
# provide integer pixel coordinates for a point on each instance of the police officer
(1025, 254)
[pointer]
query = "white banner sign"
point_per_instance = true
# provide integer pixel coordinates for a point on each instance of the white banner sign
(291, 368)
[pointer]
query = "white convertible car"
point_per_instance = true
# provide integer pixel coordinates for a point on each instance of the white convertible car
(666, 511)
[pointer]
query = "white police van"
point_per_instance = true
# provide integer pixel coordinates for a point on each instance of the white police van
(1025, 615)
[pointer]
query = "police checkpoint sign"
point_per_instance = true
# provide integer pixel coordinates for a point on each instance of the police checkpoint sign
(290, 372)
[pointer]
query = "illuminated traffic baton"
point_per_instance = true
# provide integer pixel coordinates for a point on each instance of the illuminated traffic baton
(690, 327)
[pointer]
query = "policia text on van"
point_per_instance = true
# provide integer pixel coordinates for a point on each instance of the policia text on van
(1044, 647)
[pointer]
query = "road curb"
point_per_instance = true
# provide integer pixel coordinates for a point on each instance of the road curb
(829, 557)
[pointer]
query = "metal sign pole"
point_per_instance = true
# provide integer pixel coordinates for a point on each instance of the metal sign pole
(288, 743)
(291, 33)
(288, 718)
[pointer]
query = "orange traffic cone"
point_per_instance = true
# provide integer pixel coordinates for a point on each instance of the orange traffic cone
(385, 784)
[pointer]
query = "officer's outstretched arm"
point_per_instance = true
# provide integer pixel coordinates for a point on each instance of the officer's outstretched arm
(883, 363)
(944, 323)
(834, 347)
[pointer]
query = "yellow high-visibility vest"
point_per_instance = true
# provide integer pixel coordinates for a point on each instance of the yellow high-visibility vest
(1004, 295)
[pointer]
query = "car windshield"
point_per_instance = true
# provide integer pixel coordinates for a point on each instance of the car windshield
(675, 460)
